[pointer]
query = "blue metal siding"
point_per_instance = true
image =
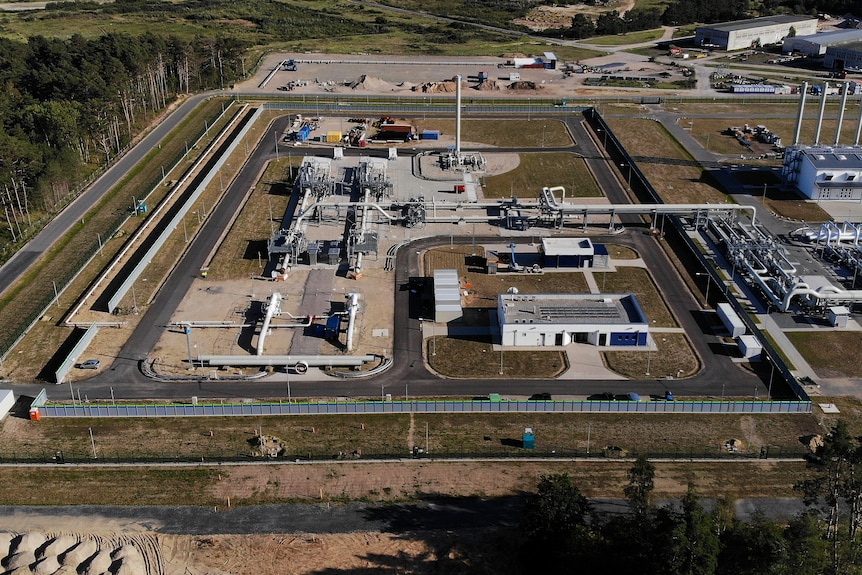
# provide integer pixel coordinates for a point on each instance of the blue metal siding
(628, 338)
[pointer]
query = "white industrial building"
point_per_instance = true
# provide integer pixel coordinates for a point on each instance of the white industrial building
(846, 56)
(825, 172)
(816, 44)
(528, 320)
(742, 34)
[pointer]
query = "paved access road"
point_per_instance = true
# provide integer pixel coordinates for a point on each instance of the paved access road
(12, 270)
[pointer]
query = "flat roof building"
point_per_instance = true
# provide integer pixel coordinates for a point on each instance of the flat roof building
(742, 34)
(816, 44)
(825, 172)
(561, 319)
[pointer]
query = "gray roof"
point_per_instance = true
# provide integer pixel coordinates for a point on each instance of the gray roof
(830, 37)
(836, 158)
(609, 309)
(757, 22)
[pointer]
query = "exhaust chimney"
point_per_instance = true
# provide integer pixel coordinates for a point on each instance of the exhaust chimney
(458, 116)
(845, 88)
(820, 114)
(803, 92)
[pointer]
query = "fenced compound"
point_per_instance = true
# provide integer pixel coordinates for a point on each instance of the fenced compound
(420, 406)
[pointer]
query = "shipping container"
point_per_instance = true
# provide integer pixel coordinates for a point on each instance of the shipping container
(333, 137)
(753, 89)
(303, 133)
(430, 134)
(731, 321)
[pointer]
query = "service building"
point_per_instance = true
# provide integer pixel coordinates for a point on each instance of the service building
(825, 172)
(561, 319)
(742, 34)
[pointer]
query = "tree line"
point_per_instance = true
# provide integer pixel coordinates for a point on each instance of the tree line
(68, 106)
(564, 534)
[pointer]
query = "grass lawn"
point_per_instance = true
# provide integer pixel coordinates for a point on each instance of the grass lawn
(475, 358)
(623, 39)
(673, 357)
(666, 164)
(323, 436)
(545, 133)
(834, 354)
(537, 170)
(638, 281)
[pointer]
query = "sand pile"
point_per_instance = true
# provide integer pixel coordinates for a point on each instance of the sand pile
(365, 82)
(39, 554)
(445, 87)
(488, 86)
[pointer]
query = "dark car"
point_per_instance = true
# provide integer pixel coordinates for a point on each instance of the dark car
(606, 396)
(540, 397)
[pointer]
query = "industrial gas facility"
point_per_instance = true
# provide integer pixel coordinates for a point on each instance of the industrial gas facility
(346, 278)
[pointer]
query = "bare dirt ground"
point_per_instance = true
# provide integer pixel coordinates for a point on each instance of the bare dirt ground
(544, 17)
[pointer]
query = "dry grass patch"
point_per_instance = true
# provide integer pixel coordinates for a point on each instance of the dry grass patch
(639, 282)
(475, 358)
(542, 133)
(245, 245)
(537, 170)
(795, 209)
(673, 357)
(832, 354)
(675, 175)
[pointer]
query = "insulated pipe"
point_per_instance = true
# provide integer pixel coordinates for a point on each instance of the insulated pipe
(820, 114)
(351, 319)
(272, 308)
(841, 113)
(802, 93)
(458, 116)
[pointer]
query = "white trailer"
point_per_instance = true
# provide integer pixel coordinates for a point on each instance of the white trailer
(731, 321)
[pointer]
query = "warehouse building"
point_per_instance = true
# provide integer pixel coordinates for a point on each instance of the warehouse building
(742, 34)
(529, 320)
(816, 44)
(844, 56)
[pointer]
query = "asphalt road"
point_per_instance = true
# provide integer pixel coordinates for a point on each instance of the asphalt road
(12, 270)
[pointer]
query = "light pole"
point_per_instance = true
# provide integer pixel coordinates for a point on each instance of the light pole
(543, 135)
(708, 282)
(287, 370)
(589, 433)
(648, 356)
(188, 331)
(628, 174)
(501, 358)
(771, 373)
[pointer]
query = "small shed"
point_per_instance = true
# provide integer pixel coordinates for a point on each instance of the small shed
(838, 316)
(568, 252)
(749, 346)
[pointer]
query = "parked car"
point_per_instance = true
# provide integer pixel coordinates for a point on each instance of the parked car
(606, 396)
(630, 396)
(90, 364)
(544, 396)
